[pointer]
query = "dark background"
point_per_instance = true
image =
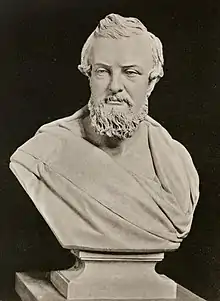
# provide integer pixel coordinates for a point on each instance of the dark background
(39, 82)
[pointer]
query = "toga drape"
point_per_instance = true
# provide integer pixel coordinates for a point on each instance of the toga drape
(92, 203)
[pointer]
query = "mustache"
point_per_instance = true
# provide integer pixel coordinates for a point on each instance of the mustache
(119, 98)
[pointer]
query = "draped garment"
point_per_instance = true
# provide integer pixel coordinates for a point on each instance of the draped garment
(90, 202)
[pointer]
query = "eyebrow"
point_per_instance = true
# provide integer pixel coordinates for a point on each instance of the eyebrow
(122, 66)
(130, 66)
(103, 65)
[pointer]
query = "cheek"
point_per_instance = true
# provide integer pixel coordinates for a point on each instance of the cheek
(98, 87)
(138, 91)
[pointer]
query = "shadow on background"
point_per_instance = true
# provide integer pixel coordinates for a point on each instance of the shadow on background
(40, 50)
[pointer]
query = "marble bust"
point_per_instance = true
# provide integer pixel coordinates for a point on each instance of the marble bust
(110, 177)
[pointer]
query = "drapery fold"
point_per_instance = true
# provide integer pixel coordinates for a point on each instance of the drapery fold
(91, 202)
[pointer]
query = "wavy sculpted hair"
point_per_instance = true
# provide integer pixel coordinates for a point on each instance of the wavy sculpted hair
(115, 26)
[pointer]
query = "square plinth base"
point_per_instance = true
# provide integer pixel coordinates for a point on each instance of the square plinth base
(117, 277)
(37, 287)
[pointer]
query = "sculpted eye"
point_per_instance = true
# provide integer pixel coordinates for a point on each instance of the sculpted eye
(101, 71)
(131, 72)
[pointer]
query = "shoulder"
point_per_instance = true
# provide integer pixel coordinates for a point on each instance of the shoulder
(43, 146)
(49, 140)
(71, 122)
(163, 138)
(179, 148)
(186, 158)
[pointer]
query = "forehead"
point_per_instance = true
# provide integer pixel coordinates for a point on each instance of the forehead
(134, 50)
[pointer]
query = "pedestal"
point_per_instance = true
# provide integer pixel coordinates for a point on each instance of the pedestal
(114, 277)
(37, 287)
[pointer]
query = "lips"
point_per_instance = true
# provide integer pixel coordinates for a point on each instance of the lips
(113, 100)
(115, 103)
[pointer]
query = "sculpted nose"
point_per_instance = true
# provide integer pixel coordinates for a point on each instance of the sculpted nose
(115, 85)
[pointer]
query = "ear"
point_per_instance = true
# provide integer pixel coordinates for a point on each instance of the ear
(85, 72)
(151, 84)
(154, 77)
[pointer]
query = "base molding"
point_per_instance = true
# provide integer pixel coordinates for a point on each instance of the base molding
(116, 277)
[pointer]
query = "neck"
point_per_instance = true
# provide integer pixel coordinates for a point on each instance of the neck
(111, 145)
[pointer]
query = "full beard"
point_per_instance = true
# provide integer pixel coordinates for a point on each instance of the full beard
(114, 123)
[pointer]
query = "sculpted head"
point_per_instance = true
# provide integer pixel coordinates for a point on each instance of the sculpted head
(123, 62)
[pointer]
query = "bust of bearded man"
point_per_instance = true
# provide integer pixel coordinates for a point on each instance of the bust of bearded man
(109, 177)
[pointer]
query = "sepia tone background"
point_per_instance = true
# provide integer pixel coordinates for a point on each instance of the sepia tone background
(39, 53)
